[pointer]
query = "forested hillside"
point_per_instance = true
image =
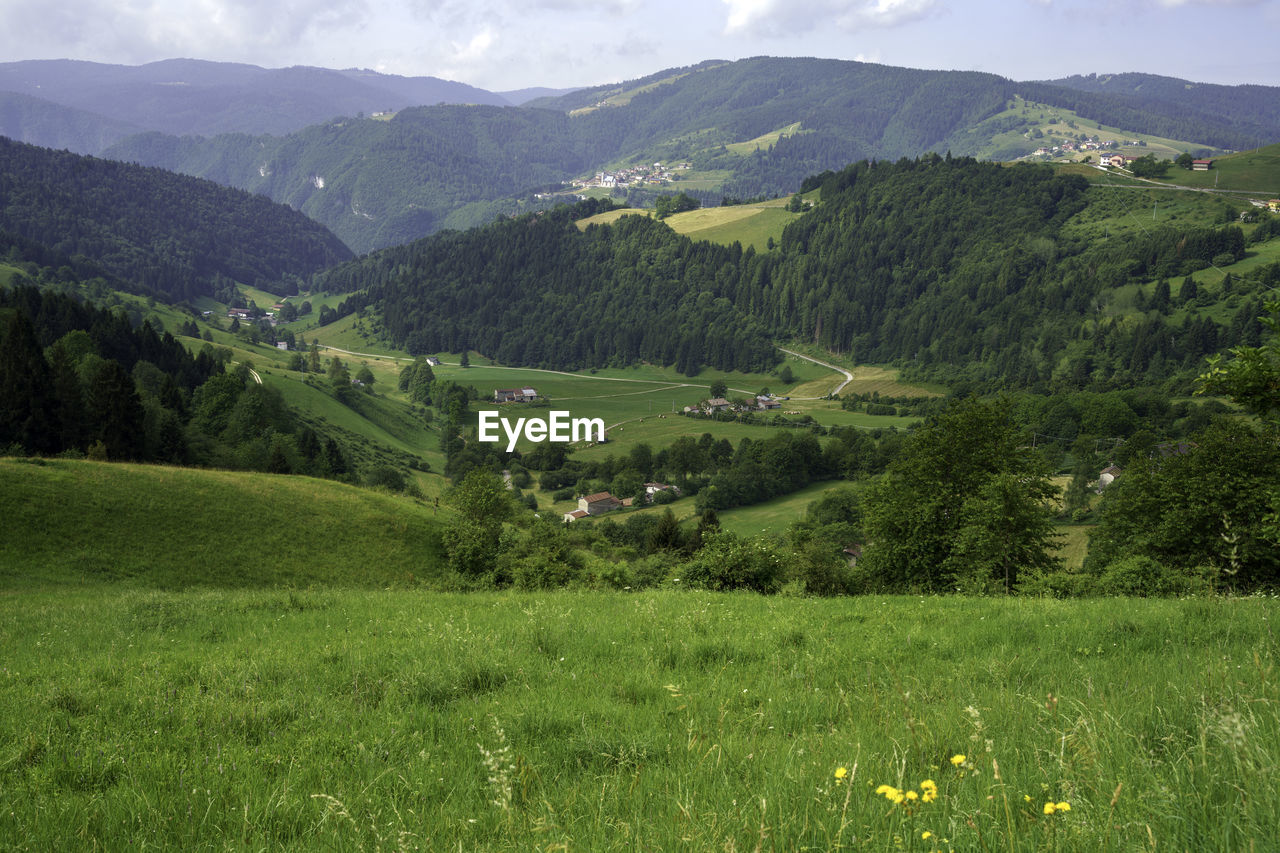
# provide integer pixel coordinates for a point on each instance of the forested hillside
(155, 231)
(537, 291)
(961, 270)
(1237, 117)
(381, 183)
(80, 380)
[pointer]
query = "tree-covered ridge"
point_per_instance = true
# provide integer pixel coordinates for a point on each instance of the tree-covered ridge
(959, 270)
(537, 291)
(163, 233)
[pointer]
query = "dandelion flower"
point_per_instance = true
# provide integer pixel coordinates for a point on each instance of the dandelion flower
(1026, 798)
(926, 835)
(1063, 807)
(886, 790)
(1049, 808)
(912, 795)
(841, 773)
(959, 759)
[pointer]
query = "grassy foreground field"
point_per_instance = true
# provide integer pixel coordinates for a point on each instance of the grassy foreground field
(367, 720)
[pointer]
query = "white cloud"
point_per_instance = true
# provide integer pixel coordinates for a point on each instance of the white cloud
(777, 17)
(1176, 4)
(143, 30)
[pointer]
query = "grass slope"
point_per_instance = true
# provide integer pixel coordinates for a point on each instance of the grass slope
(748, 224)
(368, 720)
(77, 522)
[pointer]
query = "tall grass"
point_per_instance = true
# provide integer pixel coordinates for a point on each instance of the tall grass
(658, 721)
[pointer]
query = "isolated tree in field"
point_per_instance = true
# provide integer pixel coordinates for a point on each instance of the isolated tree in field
(474, 540)
(719, 388)
(965, 505)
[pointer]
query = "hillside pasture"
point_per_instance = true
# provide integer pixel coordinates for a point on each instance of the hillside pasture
(71, 523)
(765, 141)
(368, 719)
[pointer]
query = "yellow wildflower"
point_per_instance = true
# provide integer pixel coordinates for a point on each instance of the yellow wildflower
(926, 835)
(957, 760)
(930, 791)
(841, 773)
(1063, 807)
(887, 790)
(1049, 808)
(1026, 798)
(912, 795)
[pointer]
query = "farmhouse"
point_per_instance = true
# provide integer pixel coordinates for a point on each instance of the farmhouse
(598, 504)
(1201, 165)
(570, 517)
(765, 403)
(515, 395)
(1273, 205)
(433, 361)
(651, 489)
(717, 404)
(1107, 477)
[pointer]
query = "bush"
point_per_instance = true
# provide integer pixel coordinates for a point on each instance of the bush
(562, 494)
(1140, 575)
(728, 562)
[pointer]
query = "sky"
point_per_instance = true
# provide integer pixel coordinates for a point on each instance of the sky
(503, 45)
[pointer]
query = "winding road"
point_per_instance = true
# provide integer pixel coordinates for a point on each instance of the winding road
(848, 376)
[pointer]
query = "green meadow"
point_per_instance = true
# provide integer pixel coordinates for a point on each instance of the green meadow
(69, 522)
(347, 719)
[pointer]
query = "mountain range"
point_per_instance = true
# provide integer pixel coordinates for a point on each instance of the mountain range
(382, 160)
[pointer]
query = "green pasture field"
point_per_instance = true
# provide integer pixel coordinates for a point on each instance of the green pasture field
(1073, 544)
(1256, 171)
(765, 141)
(8, 273)
(76, 523)
(774, 517)
(747, 224)
(376, 418)
(261, 298)
(332, 719)
(349, 333)
(1117, 209)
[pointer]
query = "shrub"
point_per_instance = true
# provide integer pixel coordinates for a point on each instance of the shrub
(728, 562)
(1140, 575)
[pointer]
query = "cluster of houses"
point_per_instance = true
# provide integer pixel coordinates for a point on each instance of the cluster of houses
(602, 502)
(1071, 147)
(762, 403)
(1123, 161)
(271, 316)
(656, 174)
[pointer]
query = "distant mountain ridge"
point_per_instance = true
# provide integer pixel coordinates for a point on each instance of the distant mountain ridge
(748, 128)
(194, 97)
(379, 183)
